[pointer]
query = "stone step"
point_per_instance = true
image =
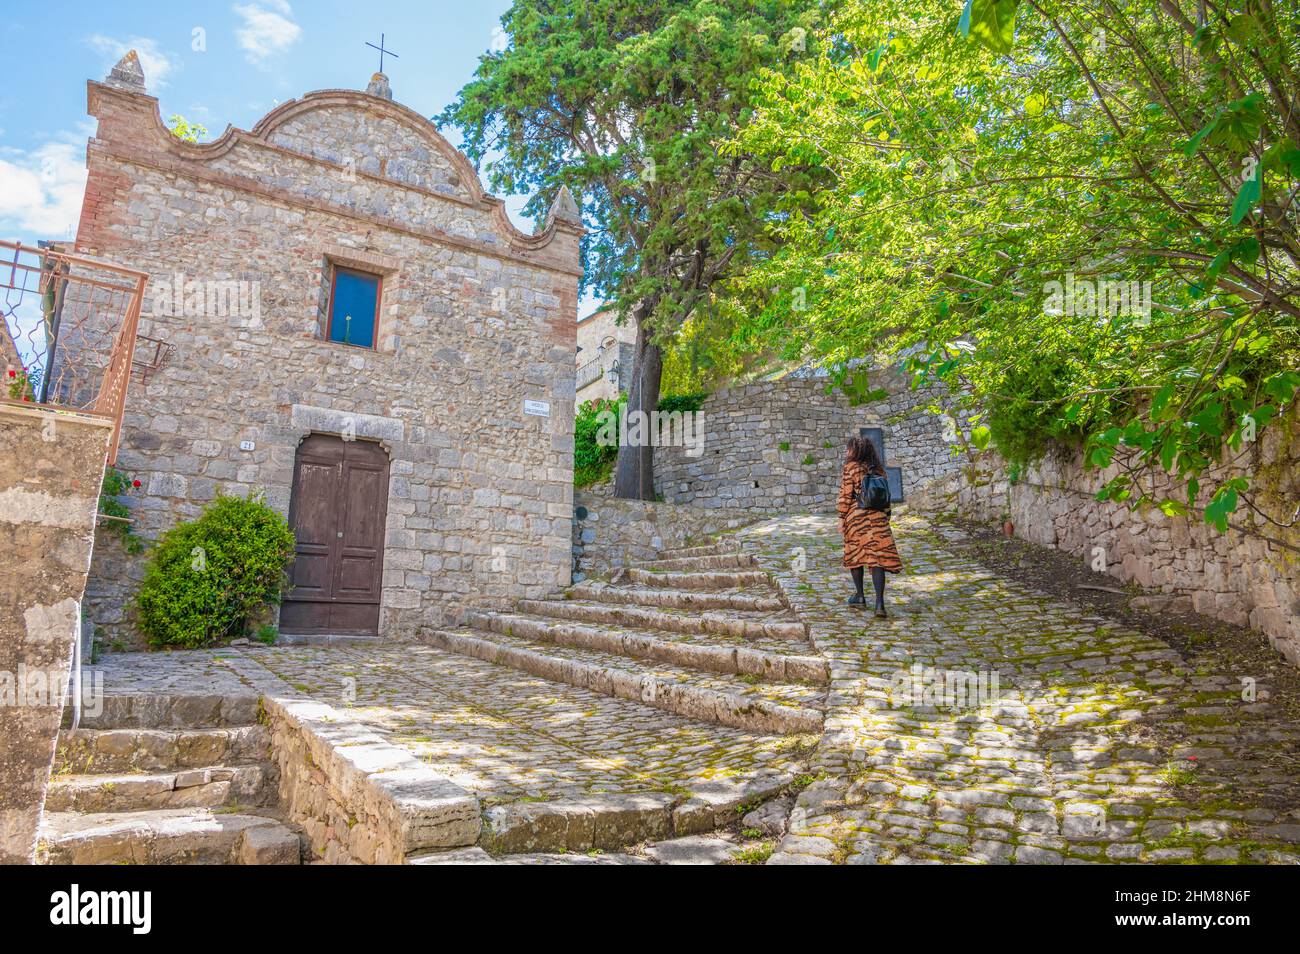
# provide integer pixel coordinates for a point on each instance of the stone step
(707, 549)
(170, 836)
(611, 821)
(111, 751)
(477, 856)
(212, 787)
(713, 657)
(767, 708)
(169, 710)
(707, 580)
(760, 600)
(722, 561)
(745, 624)
(327, 639)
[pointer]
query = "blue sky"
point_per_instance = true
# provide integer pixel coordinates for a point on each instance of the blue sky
(215, 63)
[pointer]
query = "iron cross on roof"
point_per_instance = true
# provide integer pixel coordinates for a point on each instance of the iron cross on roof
(382, 51)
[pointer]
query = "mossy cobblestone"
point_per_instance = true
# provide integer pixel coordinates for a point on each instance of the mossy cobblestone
(1101, 745)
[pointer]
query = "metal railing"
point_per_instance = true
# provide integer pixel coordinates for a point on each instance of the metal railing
(68, 334)
(611, 359)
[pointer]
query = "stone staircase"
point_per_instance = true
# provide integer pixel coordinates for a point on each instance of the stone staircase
(161, 779)
(700, 632)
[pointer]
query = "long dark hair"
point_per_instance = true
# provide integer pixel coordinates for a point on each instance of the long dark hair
(862, 451)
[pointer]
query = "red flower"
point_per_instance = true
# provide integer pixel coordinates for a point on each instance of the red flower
(13, 374)
(1191, 758)
(135, 483)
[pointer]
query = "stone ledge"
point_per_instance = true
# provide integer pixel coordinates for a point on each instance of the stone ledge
(579, 824)
(170, 710)
(358, 797)
(616, 821)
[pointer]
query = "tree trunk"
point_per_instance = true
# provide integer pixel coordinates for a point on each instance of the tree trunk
(634, 473)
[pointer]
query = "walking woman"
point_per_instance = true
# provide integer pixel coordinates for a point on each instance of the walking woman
(868, 542)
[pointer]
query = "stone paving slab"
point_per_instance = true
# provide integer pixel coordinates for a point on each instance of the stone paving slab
(503, 734)
(1097, 745)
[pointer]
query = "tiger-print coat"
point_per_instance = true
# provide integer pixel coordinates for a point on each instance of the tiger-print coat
(868, 540)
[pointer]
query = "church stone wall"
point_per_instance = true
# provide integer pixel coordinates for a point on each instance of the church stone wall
(475, 319)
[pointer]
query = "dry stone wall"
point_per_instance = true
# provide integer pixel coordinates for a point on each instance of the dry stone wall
(1248, 576)
(609, 533)
(779, 445)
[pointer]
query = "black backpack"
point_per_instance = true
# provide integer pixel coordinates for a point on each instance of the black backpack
(874, 493)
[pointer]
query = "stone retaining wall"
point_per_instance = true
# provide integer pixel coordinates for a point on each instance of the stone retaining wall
(359, 799)
(779, 445)
(609, 533)
(50, 474)
(1248, 576)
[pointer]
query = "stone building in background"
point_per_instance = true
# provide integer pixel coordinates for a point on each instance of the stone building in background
(340, 318)
(606, 353)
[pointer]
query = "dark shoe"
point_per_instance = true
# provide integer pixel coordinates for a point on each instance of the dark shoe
(857, 599)
(880, 613)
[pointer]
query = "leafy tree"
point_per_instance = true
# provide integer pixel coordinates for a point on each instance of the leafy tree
(993, 163)
(626, 103)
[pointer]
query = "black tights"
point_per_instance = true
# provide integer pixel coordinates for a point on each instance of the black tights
(877, 583)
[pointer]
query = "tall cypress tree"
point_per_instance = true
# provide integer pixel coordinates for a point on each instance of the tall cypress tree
(627, 104)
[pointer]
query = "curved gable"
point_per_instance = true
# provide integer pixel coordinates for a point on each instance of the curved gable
(374, 136)
(343, 151)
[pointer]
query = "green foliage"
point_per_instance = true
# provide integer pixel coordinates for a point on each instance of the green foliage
(593, 461)
(23, 384)
(991, 22)
(626, 105)
(114, 486)
(208, 577)
(181, 129)
(983, 163)
(267, 633)
(682, 402)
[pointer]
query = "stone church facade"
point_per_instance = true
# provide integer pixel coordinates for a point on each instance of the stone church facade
(341, 319)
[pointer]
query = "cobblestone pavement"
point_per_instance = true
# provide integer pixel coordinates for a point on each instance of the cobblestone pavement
(1099, 745)
(501, 733)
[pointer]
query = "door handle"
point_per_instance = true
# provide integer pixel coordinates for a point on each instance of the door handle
(340, 534)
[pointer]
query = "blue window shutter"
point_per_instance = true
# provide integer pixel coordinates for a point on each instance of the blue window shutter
(353, 308)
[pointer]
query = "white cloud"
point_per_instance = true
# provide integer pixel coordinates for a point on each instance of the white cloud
(41, 189)
(268, 28)
(156, 64)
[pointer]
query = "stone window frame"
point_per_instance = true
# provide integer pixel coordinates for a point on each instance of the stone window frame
(384, 267)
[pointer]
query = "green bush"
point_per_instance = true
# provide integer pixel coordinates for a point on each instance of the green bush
(207, 578)
(591, 462)
(682, 402)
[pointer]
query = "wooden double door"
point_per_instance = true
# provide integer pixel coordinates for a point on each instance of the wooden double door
(337, 512)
